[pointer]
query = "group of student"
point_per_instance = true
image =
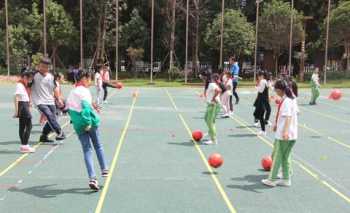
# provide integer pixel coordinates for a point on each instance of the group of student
(218, 94)
(42, 89)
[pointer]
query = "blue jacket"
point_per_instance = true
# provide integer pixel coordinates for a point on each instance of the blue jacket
(235, 71)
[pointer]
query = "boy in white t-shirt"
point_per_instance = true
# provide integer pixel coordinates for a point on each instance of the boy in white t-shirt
(286, 134)
(22, 111)
(99, 87)
(213, 107)
(226, 96)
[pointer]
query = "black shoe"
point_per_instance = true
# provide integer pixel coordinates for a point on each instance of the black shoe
(61, 136)
(45, 139)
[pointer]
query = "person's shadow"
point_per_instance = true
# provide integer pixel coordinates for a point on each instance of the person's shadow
(253, 183)
(44, 191)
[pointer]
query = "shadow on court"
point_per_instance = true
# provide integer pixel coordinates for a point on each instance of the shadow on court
(253, 183)
(45, 191)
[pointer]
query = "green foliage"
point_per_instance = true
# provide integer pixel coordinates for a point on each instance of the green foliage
(274, 26)
(238, 36)
(340, 24)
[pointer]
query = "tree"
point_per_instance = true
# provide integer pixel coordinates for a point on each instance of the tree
(339, 30)
(239, 35)
(274, 28)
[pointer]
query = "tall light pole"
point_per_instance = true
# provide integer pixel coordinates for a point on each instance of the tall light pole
(186, 51)
(45, 38)
(152, 40)
(116, 38)
(326, 47)
(222, 32)
(291, 37)
(81, 36)
(7, 39)
(256, 36)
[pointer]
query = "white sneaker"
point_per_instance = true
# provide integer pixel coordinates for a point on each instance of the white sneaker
(209, 142)
(26, 149)
(269, 123)
(225, 116)
(231, 113)
(280, 175)
(286, 183)
(268, 182)
(105, 102)
(256, 124)
(261, 133)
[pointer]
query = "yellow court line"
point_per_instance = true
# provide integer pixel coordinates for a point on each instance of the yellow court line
(201, 154)
(301, 165)
(326, 115)
(18, 160)
(115, 159)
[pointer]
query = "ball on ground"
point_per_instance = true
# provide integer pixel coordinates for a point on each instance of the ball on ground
(336, 94)
(197, 135)
(119, 85)
(266, 163)
(215, 160)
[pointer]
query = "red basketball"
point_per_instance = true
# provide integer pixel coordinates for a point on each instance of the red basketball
(266, 163)
(336, 94)
(215, 160)
(119, 85)
(197, 135)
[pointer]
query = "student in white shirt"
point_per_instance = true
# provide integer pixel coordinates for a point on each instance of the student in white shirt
(315, 87)
(22, 111)
(261, 100)
(286, 134)
(225, 96)
(213, 107)
(99, 87)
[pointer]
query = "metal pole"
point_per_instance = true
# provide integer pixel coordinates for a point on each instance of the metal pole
(326, 48)
(222, 32)
(81, 36)
(152, 41)
(7, 39)
(291, 37)
(44, 39)
(172, 42)
(116, 38)
(256, 36)
(186, 51)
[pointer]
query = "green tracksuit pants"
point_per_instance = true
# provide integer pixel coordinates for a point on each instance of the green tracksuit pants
(210, 117)
(281, 159)
(315, 93)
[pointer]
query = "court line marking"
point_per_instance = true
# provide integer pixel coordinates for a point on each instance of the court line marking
(301, 165)
(115, 158)
(22, 157)
(201, 154)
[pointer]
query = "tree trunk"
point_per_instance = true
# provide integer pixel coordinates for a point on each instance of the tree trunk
(172, 37)
(54, 50)
(347, 52)
(101, 32)
(275, 56)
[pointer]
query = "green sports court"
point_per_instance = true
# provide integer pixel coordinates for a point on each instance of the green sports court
(155, 166)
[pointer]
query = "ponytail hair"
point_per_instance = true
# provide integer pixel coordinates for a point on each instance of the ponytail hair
(284, 86)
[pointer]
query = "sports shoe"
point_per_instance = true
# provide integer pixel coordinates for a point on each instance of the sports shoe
(261, 133)
(105, 173)
(225, 116)
(45, 139)
(256, 124)
(93, 184)
(268, 123)
(269, 182)
(105, 102)
(231, 113)
(286, 183)
(280, 175)
(27, 149)
(209, 142)
(61, 136)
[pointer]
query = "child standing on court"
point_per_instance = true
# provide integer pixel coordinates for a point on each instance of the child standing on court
(22, 111)
(86, 124)
(286, 134)
(213, 107)
(99, 87)
(261, 101)
(315, 87)
(227, 95)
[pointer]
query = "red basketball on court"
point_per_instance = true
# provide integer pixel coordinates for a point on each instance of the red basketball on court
(215, 160)
(119, 85)
(197, 135)
(266, 163)
(336, 94)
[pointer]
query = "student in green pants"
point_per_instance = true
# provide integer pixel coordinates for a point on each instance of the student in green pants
(286, 133)
(213, 107)
(315, 87)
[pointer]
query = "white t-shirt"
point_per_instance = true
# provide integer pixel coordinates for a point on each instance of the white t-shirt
(262, 85)
(315, 79)
(212, 88)
(22, 92)
(289, 108)
(76, 96)
(98, 80)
